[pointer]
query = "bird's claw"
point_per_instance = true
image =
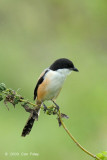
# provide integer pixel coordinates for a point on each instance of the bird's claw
(45, 107)
(57, 107)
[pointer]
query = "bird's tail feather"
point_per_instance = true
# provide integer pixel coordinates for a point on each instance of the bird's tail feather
(30, 122)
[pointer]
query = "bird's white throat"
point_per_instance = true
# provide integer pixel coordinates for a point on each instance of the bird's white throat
(64, 72)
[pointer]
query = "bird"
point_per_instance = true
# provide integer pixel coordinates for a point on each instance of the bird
(48, 87)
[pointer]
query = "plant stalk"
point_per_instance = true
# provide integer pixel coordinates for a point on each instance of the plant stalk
(65, 128)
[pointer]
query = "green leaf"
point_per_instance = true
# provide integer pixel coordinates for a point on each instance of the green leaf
(16, 100)
(11, 91)
(103, 155)
(1, 98)
(2, 87)
(51, 110)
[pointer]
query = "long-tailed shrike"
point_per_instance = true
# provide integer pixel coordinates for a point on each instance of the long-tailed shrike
(48, 87)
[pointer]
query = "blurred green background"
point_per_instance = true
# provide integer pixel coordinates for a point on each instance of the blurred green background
(32, 35)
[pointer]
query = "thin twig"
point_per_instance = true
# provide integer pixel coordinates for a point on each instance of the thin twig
(68, 132)
(22, 100)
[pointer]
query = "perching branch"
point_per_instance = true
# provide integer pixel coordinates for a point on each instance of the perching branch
(10, 96)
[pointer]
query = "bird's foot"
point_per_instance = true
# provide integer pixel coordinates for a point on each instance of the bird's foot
(57, 107)
(45, 108)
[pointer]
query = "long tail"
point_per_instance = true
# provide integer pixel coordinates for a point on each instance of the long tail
(30, 122)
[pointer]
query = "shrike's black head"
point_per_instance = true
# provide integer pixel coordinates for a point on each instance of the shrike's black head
(63, 63)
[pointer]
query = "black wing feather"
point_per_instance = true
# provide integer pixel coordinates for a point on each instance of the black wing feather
(38, 83)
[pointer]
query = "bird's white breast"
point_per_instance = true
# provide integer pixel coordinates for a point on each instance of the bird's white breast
(56, 80)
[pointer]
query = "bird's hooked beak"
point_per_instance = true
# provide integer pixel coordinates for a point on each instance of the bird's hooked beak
(75, 69)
